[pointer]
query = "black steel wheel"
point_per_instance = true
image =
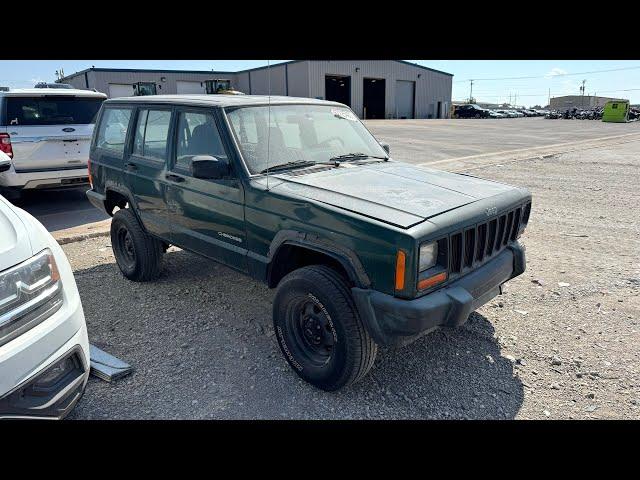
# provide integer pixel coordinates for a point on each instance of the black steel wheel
(319, 330)
(138, 254)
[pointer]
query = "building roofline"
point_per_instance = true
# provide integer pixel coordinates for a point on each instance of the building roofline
(144, 70)
(211, 72)
(423, 67)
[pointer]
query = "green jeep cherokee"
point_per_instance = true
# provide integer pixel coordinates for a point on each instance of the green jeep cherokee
(296, 192)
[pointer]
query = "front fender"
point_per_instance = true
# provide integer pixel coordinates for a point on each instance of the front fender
(345, 256)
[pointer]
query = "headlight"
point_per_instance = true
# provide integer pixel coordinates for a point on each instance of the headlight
(29, 293)
(428, 256)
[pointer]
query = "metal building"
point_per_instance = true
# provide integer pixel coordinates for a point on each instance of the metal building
(569, 102)
(372, 88)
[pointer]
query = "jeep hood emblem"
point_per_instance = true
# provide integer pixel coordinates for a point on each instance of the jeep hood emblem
(491, 211)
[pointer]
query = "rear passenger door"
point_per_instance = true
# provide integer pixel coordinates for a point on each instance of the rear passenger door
(207, 215)
(146, 168)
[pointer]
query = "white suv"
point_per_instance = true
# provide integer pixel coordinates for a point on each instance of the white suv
(44, 349)
(46, 132)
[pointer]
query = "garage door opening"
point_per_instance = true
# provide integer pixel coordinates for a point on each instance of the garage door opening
(405, 95)
(185, 87)
(337, 89)
(117, 90)
(373, 98)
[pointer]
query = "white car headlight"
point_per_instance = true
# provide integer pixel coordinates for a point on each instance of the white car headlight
(428, 256)
(30, 292)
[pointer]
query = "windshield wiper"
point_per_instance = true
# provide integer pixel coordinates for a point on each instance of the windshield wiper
(288, 165)
(354, 156)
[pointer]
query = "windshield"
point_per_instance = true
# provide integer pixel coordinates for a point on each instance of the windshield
(299, 133)
(52, 110)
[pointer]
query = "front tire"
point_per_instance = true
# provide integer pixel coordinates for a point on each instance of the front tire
(318, 328)
(138, 255)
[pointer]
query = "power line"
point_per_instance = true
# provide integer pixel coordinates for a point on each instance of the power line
(551, 76)
(549, 94)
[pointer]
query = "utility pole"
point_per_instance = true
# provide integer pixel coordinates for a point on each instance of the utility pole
(471, 92)
(549, 101)
(582, 92)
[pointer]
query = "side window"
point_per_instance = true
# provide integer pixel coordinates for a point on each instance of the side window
(112, 132)
(156, 134)
(151, 139)
(197, 135)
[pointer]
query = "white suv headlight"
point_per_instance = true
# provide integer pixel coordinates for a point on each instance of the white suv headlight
(30, 292)
(428, 256)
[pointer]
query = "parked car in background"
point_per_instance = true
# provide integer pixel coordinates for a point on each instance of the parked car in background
(507, 113)
(46, 132)
(529, 113)
(297, 193)
(495, 114)
(44, 348)
(470, 111)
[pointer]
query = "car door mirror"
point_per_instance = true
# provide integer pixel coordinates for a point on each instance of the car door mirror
(386, 147)
(208, 167)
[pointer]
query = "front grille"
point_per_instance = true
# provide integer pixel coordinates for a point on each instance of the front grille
(456, 252)
(473, 246)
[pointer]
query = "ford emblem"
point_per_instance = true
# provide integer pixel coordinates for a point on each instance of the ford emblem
(69, 129)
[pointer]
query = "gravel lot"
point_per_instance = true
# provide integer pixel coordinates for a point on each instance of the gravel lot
(562, 342)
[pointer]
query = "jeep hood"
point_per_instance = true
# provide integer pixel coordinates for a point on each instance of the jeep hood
(392, 192)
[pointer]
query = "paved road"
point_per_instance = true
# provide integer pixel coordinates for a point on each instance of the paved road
(423, 141)
(60, 209)
(415, 141)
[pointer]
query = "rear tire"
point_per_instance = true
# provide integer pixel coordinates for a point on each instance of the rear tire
(318, 328)
(138, 255)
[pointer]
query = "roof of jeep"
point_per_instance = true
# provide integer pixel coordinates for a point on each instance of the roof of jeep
(220, 100)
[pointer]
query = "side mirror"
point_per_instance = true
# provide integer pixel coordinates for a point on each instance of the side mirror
(208, 167)
(386, 147)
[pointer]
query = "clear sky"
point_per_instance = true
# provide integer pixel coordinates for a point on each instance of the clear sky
(558, 76)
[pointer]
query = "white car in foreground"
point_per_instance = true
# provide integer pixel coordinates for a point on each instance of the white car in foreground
(44, 348)
(46, 132)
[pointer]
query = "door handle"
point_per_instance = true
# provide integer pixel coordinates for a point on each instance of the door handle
(174, 178)
(131, 166)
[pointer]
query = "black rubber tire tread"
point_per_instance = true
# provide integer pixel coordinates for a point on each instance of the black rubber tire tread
(362, 350)
(147, 248)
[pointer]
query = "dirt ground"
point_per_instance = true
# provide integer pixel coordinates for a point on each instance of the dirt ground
(562, 342)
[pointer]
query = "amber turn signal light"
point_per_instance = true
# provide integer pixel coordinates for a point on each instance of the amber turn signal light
(431, 281)
(401, 259)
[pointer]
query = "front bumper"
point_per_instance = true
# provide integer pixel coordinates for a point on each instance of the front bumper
(56, 398)
(393, 321)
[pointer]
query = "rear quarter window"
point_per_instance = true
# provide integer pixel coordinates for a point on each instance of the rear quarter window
(112, 131)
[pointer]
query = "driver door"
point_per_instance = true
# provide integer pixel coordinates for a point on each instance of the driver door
(207, 215)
